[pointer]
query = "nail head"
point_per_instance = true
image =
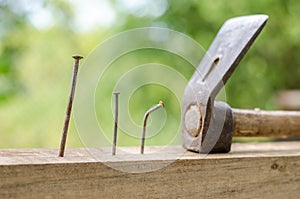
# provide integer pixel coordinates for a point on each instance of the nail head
(161, 103)
(77, 57)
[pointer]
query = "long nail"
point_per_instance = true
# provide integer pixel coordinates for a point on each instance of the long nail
(69, 108)
(159, 105)
(116, 94)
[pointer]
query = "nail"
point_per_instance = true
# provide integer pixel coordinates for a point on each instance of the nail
(69, 108)
(159, 105)
(116, 94)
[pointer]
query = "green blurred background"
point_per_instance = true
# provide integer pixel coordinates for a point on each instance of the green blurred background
(37, 39)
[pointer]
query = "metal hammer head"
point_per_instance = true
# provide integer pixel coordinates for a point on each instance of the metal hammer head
(207, 126)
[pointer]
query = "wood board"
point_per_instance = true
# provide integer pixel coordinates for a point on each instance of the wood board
(252, 170)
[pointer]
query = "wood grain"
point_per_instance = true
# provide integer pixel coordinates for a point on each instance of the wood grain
(259, 123)
(263, 170)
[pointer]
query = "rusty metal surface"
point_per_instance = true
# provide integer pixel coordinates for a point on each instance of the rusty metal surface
(229, 47)
(218, 138)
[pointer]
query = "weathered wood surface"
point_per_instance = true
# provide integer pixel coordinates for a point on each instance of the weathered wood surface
(264, 170)
(259, 123)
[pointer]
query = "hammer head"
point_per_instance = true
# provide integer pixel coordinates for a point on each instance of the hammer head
(207, 126)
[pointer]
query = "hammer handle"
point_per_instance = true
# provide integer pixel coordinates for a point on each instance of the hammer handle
(258, 123)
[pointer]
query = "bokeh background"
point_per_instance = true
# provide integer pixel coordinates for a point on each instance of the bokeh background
(37, 39)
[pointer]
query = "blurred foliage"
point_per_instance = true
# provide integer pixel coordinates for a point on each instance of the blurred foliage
(35, 64)
(269, 66)
(11, 45)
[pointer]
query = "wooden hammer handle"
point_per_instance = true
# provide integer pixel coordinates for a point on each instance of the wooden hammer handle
(258, 123)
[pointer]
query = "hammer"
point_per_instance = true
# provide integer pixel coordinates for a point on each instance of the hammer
(208, 126)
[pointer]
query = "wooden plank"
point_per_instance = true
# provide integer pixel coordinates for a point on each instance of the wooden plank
(262, 170)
